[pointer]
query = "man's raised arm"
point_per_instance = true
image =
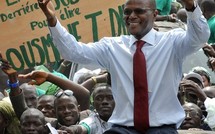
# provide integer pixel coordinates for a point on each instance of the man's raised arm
(49, 11)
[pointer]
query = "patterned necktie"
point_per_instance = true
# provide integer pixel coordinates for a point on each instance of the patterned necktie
(141, 115)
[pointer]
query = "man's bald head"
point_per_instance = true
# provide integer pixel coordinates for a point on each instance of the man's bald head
(32, 112)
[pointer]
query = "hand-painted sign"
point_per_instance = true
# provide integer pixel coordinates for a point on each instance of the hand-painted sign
(25, 38)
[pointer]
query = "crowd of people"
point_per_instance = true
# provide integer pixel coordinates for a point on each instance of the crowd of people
(140, 87)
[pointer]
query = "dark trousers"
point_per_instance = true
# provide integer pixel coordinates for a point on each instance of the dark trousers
(165, 129)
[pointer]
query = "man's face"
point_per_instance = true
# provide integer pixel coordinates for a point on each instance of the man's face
(67, 110)
(46, 106)
(103, 102)
(192, 119)
(139, 17)
(205, 81)
(32, 124)
(30, 98)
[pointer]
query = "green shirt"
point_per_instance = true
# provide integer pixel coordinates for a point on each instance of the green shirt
(211, 23)
(163, 6)
(52, 88)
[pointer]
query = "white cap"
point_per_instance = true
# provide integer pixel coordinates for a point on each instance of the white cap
(194, 75)
(83, 71)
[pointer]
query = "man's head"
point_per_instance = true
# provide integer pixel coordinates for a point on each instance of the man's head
(30, 95)
(46, 105)
(33, 122)
(204, 73)
(195, 77)
(193, 116)
(139, 16)
(66, 108)
(175, 6)
(182, 15)
(208, 8)
(103, 101)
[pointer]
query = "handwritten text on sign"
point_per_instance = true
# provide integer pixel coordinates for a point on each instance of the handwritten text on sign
(25, 38)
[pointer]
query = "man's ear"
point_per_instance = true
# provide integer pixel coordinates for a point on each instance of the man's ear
(155, 13)
(79, 108)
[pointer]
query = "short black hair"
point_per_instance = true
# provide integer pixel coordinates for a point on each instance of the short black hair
(208, 5)
(99, 85)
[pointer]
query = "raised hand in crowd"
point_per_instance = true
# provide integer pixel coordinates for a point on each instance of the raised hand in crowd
(39, 77)
(49, 11)
(210, 53)
(100, 78)
(7, 69)
(12, 82)
(192, 87)
(209, 50)
(211, 63)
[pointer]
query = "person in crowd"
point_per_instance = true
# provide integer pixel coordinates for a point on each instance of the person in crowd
(208, 9)
(66, 106)
(46, 105)
(84, 74)
(193, 81)
(181, 2)
(9, 123)
(102, 77)
(67, 109)
(210, 107)
(204, 73)
(190, 81)
(33, 122)
(164, 7)
(165, 50)
(104, 104)
(175, 6)
(30, 95)
(182, 15)
(210, 53)
(210, 93)
(90, 83)
(195, 77)
(38, 77)
(208, 122)
(193, 117)
(97, 122)
(52, 67)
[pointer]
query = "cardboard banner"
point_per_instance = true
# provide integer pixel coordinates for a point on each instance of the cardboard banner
(25, 38)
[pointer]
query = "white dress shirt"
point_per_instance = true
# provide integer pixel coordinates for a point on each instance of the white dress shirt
(164, 52)
(210, 108)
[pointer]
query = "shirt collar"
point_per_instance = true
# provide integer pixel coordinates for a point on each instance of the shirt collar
(149, 38)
